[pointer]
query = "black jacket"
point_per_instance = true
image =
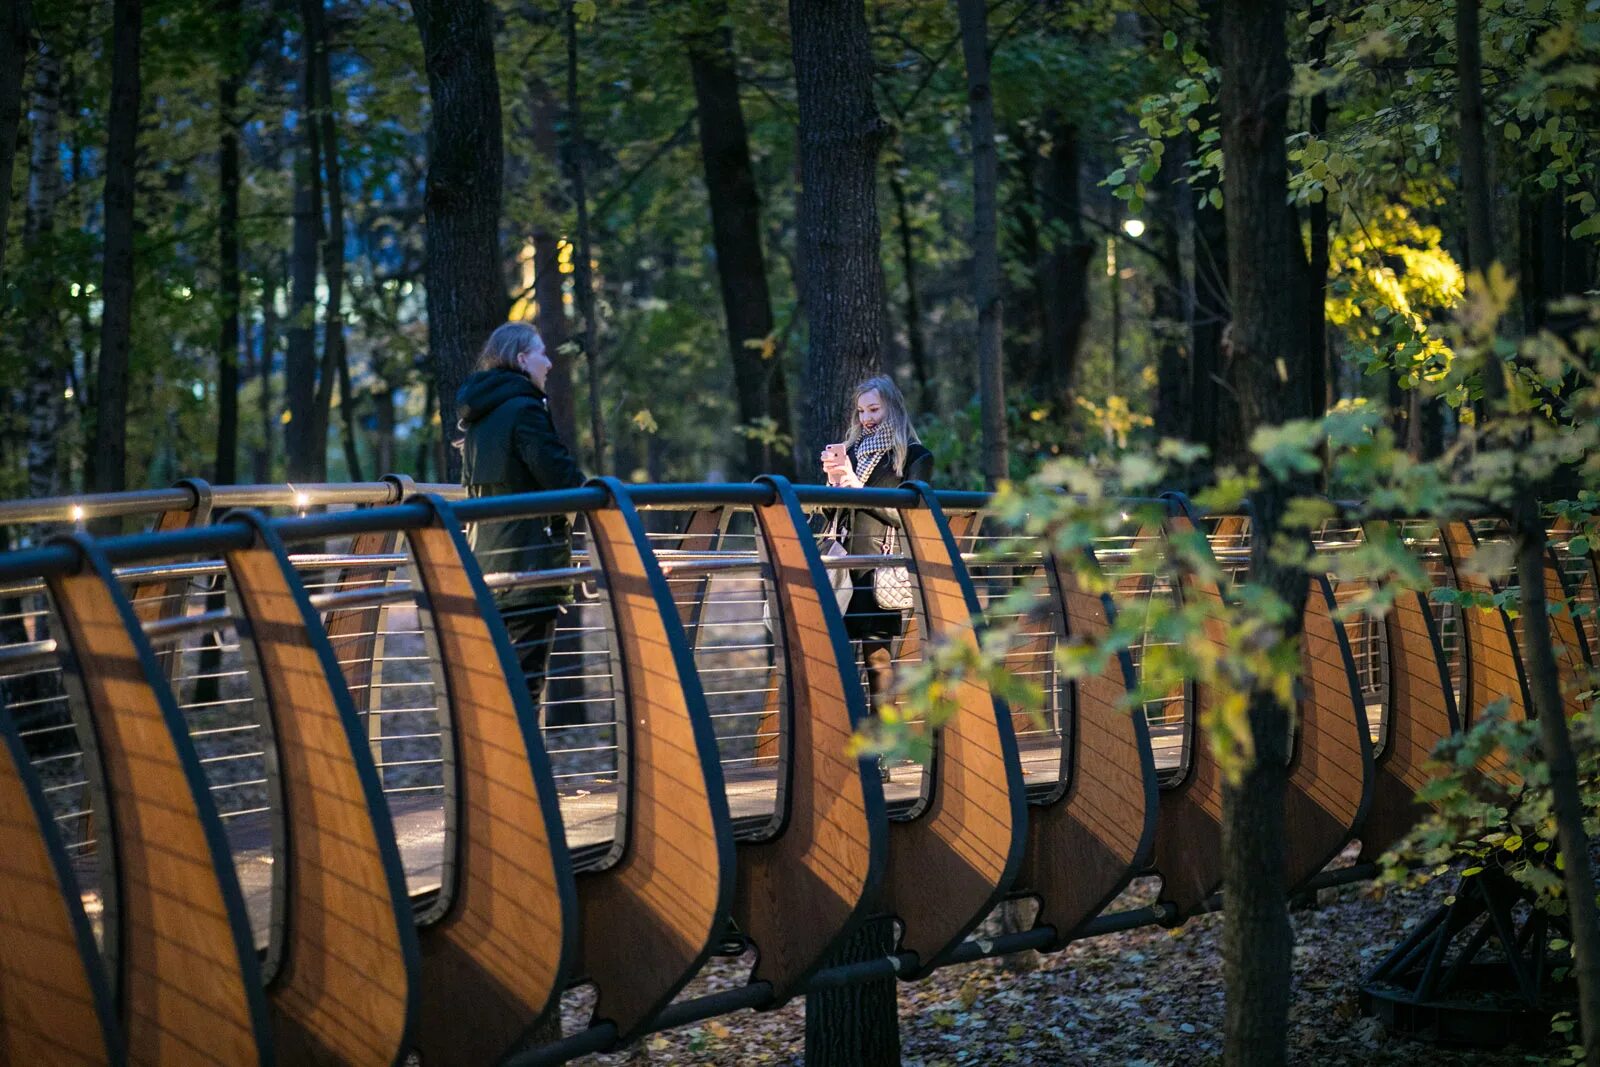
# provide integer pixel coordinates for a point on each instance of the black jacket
(511, 446)
(869, 525)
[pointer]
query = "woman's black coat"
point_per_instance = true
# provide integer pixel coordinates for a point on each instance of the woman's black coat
(511, 446)
(867, 527)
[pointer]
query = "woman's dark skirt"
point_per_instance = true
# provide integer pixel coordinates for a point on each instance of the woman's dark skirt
(864, 620)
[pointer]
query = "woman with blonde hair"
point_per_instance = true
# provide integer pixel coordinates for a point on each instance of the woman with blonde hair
(879, 451)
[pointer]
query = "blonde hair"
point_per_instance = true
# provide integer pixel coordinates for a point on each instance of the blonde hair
(503, 350)
(895, 415)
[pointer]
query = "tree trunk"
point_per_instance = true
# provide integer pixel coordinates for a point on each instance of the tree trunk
(116, 319)
(303, 446)
(583, 275)
(226, 470)
(16, 38)
(974, 16)
(736, 235)
(261, 462)
(1270, 379)
(1173, 414)
(335, 357)
(1529, 540)
(40, 331)
(1064, 269)
(466, 291)
(856, 1026)
(547, 279)
(1322, 384)
(1215, 419)
(840, 134)
(916, 338)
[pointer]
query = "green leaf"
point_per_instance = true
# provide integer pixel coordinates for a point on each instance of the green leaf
(1215, 196)
(1169, 41)
(1578, 546)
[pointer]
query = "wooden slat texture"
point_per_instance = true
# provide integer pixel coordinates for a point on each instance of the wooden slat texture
(1422, 711)
(184, 966)
(343, 990)
(802, 891)
(1330, 771)
(495, 961)
(1571, 648)
(55, 1005)
(1494, 665)
(949, 866)
(353, 632)
(165, 599)
(1188, 846)
(1084, 848)
(702, 533)
(651, 919)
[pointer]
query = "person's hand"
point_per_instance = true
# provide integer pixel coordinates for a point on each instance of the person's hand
(845, 477)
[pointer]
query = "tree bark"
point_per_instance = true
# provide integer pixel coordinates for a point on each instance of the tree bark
(226, 468)
(1529, 541)
(736, 234)
(302, 446)
(116, 319)
(40, 331)
(583, 275)
(1323, 395)
(1064, 269)
(549, 287)
(16, 39)
(974, 17)
(1270, 379)
(335, 357)
(1173, 414)
(916, 337)
(466, 291)
(261, 462)
(856, 1026)
(840, 134)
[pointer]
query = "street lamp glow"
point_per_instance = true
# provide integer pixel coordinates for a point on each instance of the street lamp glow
(1133, 227)
(77, 513)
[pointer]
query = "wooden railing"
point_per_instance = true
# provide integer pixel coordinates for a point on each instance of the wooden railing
(212, 848)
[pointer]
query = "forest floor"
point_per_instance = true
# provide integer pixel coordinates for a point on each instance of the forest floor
(1146, 997)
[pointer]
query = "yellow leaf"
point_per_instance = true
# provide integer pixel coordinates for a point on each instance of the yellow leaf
(1512, 843)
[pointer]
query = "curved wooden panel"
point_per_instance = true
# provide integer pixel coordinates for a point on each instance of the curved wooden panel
(165, 598)
(651, 919)
(1188, 846)
(949, 866)
(1084, 848)
(1329, 788)
(1494, 669)
(343, 991)
(1571, 647)
(55, 1005)
(1422, 711)
(353, 632)
(1494, 665)
(802, 891)
(182, 959)
(495, 961)
(702, 533)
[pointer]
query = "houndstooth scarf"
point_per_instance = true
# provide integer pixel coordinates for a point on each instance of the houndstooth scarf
(871, 447)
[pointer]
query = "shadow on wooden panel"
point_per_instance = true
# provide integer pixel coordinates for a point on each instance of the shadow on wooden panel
(1188, 847)
(950, 866)
(1571, 646)
(802, 891)
(1329, 788)
(182, 963)
(651, 919)
(1085, 847)
(495, 959)
(702, 533)
(55, 1005)
(347, 935)
(1422, 711)
(353, 632)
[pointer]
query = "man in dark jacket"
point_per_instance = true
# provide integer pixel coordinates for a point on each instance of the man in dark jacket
(511, 446)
